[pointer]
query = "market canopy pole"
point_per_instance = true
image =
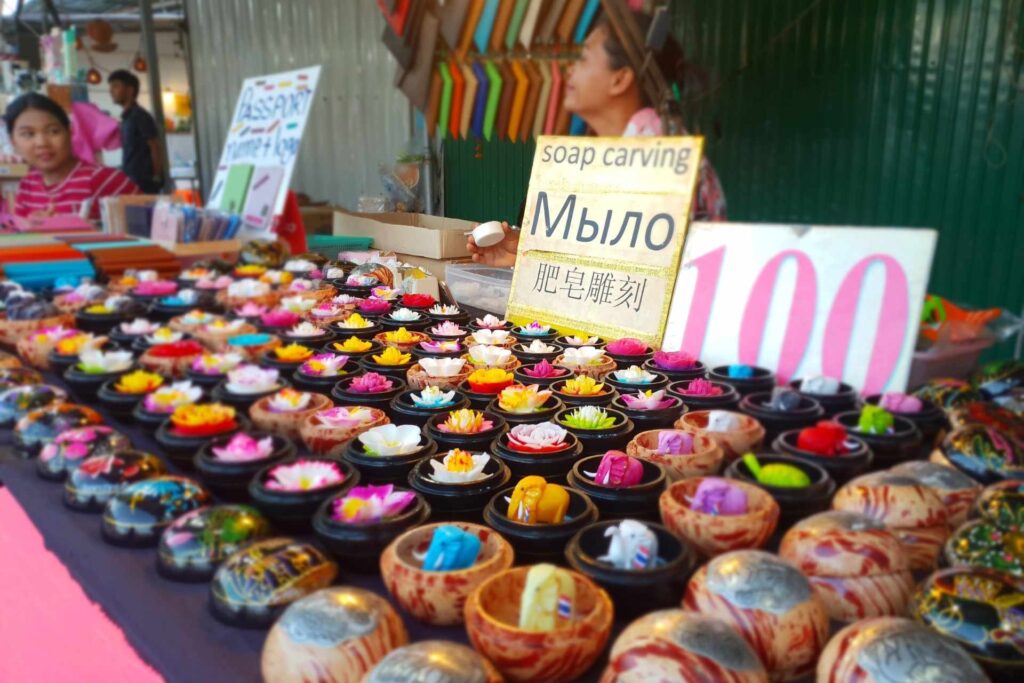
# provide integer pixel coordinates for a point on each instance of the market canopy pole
(149, 41)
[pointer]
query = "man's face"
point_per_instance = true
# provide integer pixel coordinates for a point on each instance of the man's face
(119, 92)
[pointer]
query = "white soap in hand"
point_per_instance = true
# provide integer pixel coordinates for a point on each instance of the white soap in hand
(488, 234)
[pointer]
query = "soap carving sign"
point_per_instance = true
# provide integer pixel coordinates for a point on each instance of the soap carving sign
(803, 301)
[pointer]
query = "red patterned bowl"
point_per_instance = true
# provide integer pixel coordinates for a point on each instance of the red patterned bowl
(706, 458)
(735, 443)
(716, 534)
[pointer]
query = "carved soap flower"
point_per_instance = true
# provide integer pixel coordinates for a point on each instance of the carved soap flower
(674, 360)
(208, 283)
(447, 329)
(198, 316)
(627, 346)
(167, 398)
(444, 309)
(441, 346)
(250, 270)
(203, 419)
(243, 448)
(216, 363)
(186, 297)
(465, 421)
(521, 400)
(139, 326)
(543, 370)
(392, 356)
(353, 345)
(74, 344)
(326, 311)
(138, 382)
(221, 326)
(300, 284)
(334, 273)
(390, 439)
(442, 367)
(489, 356)
(345, 299)
(346, 417)
(402, 336)
(304, 475)
(583, 386)
(196, 273)
(293, 353)
(370, 383)
(367, 504)
(289, 400)
(53, 334)
(96, 362)
(820, 385)
(490, 337)
(489, 380)
(252, 379)
(459, 467)
(276, 277)
(299, 265)
(405, 315)
(589, 417)
(418, 300)
(306, 329)
(672, 442)
(164, 335)
(355, 322)
(386, 293)
(545, 437)
(634, 374)
(583, 356)
(433, 397)
(535, 329)
(648, 400)
(155, 288)
(702, 387)
(178, 349)
(280, 318)
(577, 340)
(250, 310)
(901, 403)
(491, 322)
(374, 306)
(537, 346)
(361, 281)
(324, 365)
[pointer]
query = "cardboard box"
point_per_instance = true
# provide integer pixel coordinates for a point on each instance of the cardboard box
(436, 267)
(191, 252)
(319, 219)
(415, 234)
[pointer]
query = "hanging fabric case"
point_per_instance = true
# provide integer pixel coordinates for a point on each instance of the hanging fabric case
(546, 33)
(501, 21)
(480, 106)
(530, 21)
(469, 27)
(567, 23)
(445, 107)
(519, 100)
(468, 99)
(508, 94)
(515, 23)
(545, 98)
(532, 96)
(493, 98)
(416, 82)
(482, 35)
(452, 14)
(586, 19)
(458, 85)
(555, 100)
(433, 104)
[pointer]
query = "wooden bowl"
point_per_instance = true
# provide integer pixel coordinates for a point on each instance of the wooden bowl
(956, 489)
(285, 424)
(492, 617)
(705, 460)
(716, 534)
(748, 438)
(434, 597)
(418, 379)
(597, 372)
(324, 439)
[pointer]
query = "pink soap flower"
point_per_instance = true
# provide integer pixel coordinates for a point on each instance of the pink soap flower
(370, 383)
(702, 387)
(674, 360)
(627, 346)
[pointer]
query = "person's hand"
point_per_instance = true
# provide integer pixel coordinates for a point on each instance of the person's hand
(500, 255)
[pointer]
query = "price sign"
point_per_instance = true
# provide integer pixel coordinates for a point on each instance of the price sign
(603, 232)
(802, 300)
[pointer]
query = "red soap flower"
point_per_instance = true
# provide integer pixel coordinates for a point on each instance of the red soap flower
(418, 301)
(826, 438)
(188, 347)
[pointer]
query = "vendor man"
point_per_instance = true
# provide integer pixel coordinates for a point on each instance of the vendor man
(142, 157)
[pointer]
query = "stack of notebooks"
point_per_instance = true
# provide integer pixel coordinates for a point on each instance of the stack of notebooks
(37, 261)
(111, 258)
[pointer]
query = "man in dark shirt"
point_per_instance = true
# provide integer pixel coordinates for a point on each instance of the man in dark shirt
(142, 158)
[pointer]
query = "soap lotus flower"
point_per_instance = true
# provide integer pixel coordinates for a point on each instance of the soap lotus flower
(402, 336)
(405, 315)
(433, 397)
(276, 277)
(465, 421)
(520, 399)
(490, 337)
(300, 284)
(203, 419)
(252, 379)
(138, 382)
(166, 399)
(76, 343)
(447, 329)
(222, 282)
(196, 273)
(304, 475)
(293, 352)
(353, 345)
(216, 363)
(334, 273)
(583, 356)
(535, 328)
(306, 329)
(648, 400)
(250, 340)
(370, 383)
(324, 365)
(251, 310)
(186, 297)
(250, 270)
(155, 288)
(901, 403)
(674, 360)
(198, 316)
(702, 387)
(543, 370)
(491, 322)
(346, 417)
(289, 400)
(280, 318)
(674, 443)
(444, 309)
(418, 300)
(222, 326)
(326, 310)
(87, 291)
(99, 309)
(343, 299)
(627, 346)
(178, 349)
(389, 439)
(537, 346)
(392, 356)
(95, 362)
(53, 334)
(299, 265)
(634, 374)
(368, 504)
(442, 367)
(546, 437)
(372, 306)
(386, 293)
(459, 467)
(490, 380)
(244, 448)
(361, 281)
(489, 356)
(139, 326)
(589, 417)
(355, 322)
(583, 386)
(577, 340)
(164, 335)
(441, 346)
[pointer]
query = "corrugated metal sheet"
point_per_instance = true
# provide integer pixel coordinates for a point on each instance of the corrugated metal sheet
(871, 112)
(359, 120)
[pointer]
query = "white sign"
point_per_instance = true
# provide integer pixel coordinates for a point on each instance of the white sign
(802, 300)
(262, 143)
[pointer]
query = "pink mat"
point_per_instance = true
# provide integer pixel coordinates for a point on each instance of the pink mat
(50, 630)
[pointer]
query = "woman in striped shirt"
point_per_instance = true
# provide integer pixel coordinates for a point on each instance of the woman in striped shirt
(58, 183)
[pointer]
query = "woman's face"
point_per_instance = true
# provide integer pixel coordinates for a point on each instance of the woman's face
(592, 83)
(41, 140)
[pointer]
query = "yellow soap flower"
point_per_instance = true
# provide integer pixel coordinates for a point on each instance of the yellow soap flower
(459, 461)
(519, 399)
(583, 386)
(97, 308)
(355, 321)
(293, 353)
(250, 269)
(392, 356)
(201, 415)
(465, 421)
(72, 345)
(401, 336)
(139, 382)
(490, 376)
(353, 345)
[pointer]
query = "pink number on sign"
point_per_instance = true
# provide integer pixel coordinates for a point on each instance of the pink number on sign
(892, 323)
(709, 268)
(801, 313)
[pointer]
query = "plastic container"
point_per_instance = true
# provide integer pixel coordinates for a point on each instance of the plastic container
(480, 286)
(957, 361)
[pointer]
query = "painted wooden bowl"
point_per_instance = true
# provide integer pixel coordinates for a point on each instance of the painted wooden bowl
(438, 597)
(716, 534)
(912, 511)
(335, 634)
(980, 543)
(440, 661)
(322, 438)
(556, 656)
(857, 567)
(287, 423)
(748, 438)
(683, 647)
(706, 458)
(770, 603)
(1003, 504)
(195, 543)
(71, 447)
(956, 489)
(886, 649)
(984, 453)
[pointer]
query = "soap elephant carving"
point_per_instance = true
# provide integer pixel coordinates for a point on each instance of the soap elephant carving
(534, 501)
(548, 600)
(451, 548)
(633, 545)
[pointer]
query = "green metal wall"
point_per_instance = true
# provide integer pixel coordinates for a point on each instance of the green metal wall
(863, 112)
